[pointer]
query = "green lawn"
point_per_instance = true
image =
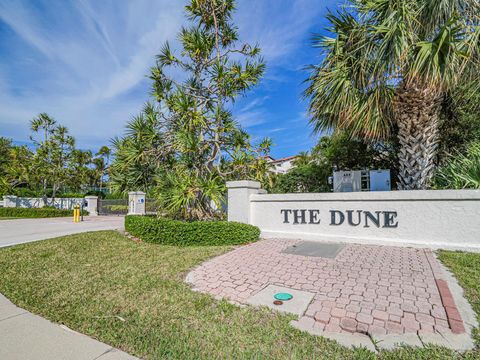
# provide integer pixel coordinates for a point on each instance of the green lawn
(9, 218)
(132, 295)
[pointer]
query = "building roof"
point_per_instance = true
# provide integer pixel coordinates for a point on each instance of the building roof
(272, 160)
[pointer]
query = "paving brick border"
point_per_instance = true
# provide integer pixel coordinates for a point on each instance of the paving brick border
(453, 315)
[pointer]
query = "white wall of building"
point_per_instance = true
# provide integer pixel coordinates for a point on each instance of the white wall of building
(282, 166)
(435, 218)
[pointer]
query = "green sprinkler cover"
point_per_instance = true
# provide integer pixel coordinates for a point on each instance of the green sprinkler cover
(283, 296)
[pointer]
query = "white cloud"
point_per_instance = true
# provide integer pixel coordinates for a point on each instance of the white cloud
(255, 103)
(249, 119)
(85, 62)
(90, 75)
(17, 17)
(280, 27)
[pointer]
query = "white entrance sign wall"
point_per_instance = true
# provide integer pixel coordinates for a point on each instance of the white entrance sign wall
(239, 199)
(136, 203)
(432, 218)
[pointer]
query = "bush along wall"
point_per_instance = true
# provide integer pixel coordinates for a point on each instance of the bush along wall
(183, 233)
(36, 212)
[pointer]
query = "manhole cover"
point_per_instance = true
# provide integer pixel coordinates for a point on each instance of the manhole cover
(316, 249)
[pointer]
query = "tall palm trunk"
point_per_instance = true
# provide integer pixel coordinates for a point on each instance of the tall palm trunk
(416, 111)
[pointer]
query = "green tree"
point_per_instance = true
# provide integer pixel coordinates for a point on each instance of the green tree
(5, 147)
(461, 121)
(388, 68)
(62, 146)
(54, 166)
(138, 155)
(342, 152)
(192, 143)
(304, 178)
(53, 154)
(45, 125)
(101, 163)
(79, 172)
(15, 166)
(199, 128)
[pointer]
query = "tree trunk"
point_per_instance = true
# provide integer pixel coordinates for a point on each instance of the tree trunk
(416, 112)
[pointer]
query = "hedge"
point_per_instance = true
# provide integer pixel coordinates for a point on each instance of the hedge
(35, 212)
(206, 233)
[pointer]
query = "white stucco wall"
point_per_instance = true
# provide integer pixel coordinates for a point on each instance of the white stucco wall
(136, 203)
(438, 219)
(23, 202)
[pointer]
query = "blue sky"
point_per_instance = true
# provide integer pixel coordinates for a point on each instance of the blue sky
(85, 62)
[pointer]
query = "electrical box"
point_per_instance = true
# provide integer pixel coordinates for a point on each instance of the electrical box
(350, 181)
(361, 180)
(380, 180)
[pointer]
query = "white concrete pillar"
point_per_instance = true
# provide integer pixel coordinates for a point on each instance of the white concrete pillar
(239, 199)
(92, 205)
(136, 203)
(10, 201)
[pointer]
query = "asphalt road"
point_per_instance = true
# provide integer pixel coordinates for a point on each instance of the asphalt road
(14, 232)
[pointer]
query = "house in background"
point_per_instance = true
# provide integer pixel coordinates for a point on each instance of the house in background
(281, 166)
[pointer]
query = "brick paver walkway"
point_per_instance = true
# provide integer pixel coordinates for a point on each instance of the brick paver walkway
(366, 289)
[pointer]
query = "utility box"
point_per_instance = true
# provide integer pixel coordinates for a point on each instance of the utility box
(380, 180)
(350, 181)
(361, 180)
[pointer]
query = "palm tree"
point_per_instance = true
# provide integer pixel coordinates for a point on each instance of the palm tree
(46, 123)
(388, 68)
(101, 162)
(43, 122)
(105, 153)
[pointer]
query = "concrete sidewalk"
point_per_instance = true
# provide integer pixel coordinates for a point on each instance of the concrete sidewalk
(25, 336)
(14, 232)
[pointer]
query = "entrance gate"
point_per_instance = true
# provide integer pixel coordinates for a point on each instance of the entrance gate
(112, 207)
(151, 206)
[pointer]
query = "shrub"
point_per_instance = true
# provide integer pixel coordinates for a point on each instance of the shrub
(462, 171)
(46, 212)
(175, 232)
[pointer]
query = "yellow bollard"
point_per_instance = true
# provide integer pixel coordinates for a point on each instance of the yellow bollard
(76, 214)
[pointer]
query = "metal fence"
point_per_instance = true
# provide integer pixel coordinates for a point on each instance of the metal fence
(152, 206)
(112, 206)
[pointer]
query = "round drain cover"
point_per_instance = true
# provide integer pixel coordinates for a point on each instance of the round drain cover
(283, 296)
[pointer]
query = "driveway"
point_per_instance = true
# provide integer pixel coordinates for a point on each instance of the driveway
(14, 232)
